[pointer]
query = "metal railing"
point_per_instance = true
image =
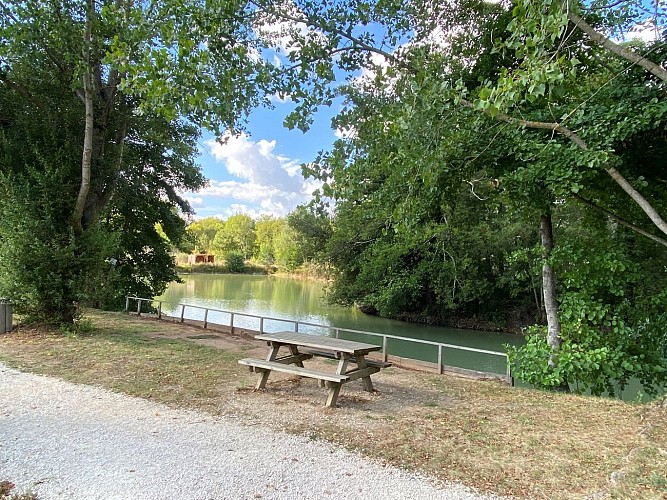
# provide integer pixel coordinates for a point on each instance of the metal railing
(336, 331)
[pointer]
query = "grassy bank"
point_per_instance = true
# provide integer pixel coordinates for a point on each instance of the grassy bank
(509, 441)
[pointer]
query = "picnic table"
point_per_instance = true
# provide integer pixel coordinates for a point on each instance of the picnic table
(351, 356)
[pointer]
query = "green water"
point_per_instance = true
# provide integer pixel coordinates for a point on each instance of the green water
(303, 301)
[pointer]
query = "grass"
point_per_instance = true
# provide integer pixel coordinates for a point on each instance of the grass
(518, 442)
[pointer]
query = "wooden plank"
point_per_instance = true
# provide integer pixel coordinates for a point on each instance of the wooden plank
(294, 358)
(362, 372)
(326, 354)
(319, 342)
(263, 365)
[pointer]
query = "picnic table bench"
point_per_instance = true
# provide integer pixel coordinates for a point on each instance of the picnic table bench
(351, 356)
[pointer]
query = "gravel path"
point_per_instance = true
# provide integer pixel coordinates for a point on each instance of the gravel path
(79, 442)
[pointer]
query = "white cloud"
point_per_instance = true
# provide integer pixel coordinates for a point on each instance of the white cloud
(285, 35)
(195, 201)
(268, 183)
(255, 162)
(646, 31)
(345, 133)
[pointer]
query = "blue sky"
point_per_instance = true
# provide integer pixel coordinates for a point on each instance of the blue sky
(259, 173)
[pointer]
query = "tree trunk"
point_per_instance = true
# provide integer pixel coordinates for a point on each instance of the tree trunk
(549, 292)
(549, 284)
(88, 96)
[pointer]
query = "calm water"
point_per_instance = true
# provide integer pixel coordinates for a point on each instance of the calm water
(303, 301)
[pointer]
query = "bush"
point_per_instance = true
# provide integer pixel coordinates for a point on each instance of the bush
(235, 262)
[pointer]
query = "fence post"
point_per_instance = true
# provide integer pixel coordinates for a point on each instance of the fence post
(182, 312)
(205, 318)
(138, 307)
(385, 356)
(127, 303)
(440, 359)
(231, 323)
(510, 378)
(159, 310)
(296, 327)
(337, 332)
(261, 326)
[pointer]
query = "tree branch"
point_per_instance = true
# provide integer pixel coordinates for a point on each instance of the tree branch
(619, 220)
(616, 49)
(553, 126)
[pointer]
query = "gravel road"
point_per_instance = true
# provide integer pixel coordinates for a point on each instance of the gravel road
(63, 440)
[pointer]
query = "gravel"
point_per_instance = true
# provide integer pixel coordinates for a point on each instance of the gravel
(62, 440)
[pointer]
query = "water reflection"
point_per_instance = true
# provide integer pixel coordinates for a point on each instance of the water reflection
(295, 300)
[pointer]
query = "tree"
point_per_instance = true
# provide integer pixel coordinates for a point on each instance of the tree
(313, 230)
(266, 230)
(203, 231)
(237, 235)
(607, 99)
(84, 83)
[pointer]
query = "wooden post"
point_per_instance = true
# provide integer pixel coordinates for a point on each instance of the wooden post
(296, 327)
(205, 318)
(337, 332)
(261, 326)
(127, 304)
(138, 307)
(385, 355)
(231, 327)
(182, 312)
(159, 310)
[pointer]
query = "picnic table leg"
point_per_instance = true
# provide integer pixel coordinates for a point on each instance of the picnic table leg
(334, 390)
(368, 384)
(295, 351)
(264, 374)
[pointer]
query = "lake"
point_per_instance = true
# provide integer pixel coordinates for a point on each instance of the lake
(301, 300)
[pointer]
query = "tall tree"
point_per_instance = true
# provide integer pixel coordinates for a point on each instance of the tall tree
(108, 78)
(573, 99)
(237, 235)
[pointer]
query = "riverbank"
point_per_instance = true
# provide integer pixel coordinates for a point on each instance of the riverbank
(498, 439)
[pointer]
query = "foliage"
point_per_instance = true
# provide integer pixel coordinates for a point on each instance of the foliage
(236, 235)
(92, 97)
(234, 262)
(286, 248)
(267, 230)
(203, 232)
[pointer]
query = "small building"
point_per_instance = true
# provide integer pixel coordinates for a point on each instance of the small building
(201, 258)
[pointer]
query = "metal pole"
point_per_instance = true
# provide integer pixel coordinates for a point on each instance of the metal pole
(440, 359)
(385, 356)
(159, 310)
(138, 307)
(296, 327)
(182, 312)
(261, 326)
(205, 318)
(337, 332)
(8, 318)
(127, 304)
(231, 323)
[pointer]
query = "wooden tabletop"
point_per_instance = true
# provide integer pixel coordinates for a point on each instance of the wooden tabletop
(319, 342)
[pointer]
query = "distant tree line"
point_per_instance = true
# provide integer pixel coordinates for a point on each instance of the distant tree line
(285, 243)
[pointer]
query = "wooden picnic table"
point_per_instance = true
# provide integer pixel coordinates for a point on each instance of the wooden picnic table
(351, 356)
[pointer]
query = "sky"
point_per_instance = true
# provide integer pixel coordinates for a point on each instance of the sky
(259, 173)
